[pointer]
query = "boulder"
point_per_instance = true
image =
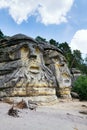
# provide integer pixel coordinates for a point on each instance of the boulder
(74, 95)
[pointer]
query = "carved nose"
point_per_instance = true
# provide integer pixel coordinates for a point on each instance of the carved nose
(33, 56)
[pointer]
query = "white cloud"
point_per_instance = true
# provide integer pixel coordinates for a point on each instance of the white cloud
(46, 11)
(79, 41)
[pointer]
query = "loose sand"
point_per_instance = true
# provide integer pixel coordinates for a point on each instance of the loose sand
(61, 116)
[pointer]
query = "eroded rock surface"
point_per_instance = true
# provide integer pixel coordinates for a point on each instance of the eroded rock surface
(29, 68)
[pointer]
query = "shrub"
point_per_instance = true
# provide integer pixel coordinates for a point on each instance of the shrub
(80, 86)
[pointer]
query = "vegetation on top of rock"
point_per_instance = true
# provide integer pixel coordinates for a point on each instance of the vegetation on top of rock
(74, 59)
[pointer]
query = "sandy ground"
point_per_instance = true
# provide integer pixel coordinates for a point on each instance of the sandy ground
(61, 116)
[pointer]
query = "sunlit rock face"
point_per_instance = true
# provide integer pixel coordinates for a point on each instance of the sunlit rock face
(29, 68)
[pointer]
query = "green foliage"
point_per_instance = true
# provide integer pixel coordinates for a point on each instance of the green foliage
(77, 58)
(83, 68)
(1, 35)
(80, 86)
(85, 59)
(67, 52)
(53, 42)
(65, 47)
(40, 39)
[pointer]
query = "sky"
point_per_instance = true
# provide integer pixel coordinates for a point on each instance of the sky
(61, 20)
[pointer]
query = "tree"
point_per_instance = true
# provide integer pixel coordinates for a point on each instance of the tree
(53, 42)
(40, 39)
(80, 86)
(1, 35)
(78, 61)
(85, 59)
(77, 55)
(64, 47)
(67, 52)
(83, 68)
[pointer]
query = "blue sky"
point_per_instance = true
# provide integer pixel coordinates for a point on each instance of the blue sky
(62, 20)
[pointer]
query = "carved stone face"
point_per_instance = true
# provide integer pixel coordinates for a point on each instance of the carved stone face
(30, 76)
(35, 59)
(38, 75)
(57, 63)
(61, 69)
(30, 58)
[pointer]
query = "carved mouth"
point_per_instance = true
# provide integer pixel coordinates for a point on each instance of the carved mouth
(34, 69)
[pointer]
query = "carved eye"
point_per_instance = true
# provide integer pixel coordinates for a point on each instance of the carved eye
(37, 50)
(62, 64)
(25, 49)
(33, 46)
(24, 52)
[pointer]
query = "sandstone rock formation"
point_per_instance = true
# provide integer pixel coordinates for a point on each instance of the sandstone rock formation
(29, 68)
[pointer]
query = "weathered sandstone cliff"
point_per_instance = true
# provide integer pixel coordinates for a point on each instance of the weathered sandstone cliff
(29, 68)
